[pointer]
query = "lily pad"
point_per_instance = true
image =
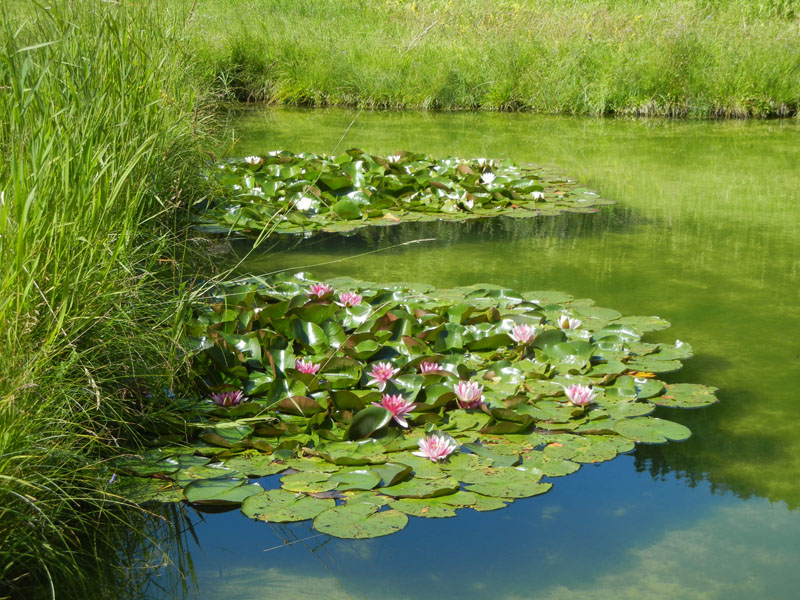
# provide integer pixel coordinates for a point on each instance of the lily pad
(223, 490)
(416, 188)
(686, 395)
(346, 379)
(281, 506)
(359, 521)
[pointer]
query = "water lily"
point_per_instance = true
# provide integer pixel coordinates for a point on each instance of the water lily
(436, 447)
(398, 406)
(522, 334)
(394, 158)
(231, 398)
(381, 373)
(349, 299)
(580, 395)
(319, 290)
(488, 177)
(426, 366)
(469, 394)
(567, 322)
(305, 203)
(537, 195)
(305, 366)
(253, 160)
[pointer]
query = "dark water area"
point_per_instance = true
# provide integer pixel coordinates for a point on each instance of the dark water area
(706, 234)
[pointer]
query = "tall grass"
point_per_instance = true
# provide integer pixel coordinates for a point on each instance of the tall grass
(661, 57)
(100, 136)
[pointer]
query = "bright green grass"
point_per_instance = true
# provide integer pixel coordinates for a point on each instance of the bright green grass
(677, 58)
(100, 136)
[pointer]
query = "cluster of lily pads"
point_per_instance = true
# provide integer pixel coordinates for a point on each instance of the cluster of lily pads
(360, 404)
(303, 193)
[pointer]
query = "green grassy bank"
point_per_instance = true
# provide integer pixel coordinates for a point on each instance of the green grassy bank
(731, 58)
(100, 136)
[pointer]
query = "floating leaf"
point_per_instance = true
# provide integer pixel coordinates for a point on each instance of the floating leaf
(308, 481)
(686, 395)
(222, 490)
(652, 430)
(281, 506)
(359, 521)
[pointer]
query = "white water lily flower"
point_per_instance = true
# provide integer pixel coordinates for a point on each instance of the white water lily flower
(303, 203)
(488, 177)
(394, 158)
(567, 322)
(253, 160)
(537, 195)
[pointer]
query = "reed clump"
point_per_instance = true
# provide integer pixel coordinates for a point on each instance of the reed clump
(701, 58)
(101, 127)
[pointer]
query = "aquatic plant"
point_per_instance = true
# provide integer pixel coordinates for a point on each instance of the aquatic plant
(304, 193)
(492, 419)
(436, 447)
(469, 394)
(397, 406)
(579, 395)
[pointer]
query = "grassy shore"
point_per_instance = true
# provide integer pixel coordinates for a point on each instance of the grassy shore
(100, 135)
(722, 58)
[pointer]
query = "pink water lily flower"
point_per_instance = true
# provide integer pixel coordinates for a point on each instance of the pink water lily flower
(567, 322)
(381, 373)
(469, 394)
(426, 366)
(228, 398)
(436, 447)
(522, 334)
(349, 299)
(319, 290)
(580, 395)
(398, 406)
(305, 366)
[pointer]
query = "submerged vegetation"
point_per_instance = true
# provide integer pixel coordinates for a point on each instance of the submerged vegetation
(365, 396)
(289, 193)
(100, 135)
(722, 58)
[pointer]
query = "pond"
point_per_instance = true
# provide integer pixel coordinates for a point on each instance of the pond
(706, 234)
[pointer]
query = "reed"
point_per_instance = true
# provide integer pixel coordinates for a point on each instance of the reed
(101, 126)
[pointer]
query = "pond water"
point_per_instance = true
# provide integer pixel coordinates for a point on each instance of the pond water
(706, 234)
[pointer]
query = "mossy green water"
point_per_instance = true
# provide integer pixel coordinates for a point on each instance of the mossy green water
(705, 234)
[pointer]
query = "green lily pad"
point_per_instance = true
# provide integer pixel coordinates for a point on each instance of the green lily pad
(281, 506)
(223, 490)
(359, 521)
(356, 479)
(323, 433)
(308, 482)
(652, 430)
(422, 488)
(686, 395)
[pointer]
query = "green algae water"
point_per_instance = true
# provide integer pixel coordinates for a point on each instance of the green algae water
(706, 234)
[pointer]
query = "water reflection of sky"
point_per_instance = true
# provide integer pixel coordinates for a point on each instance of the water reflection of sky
(707, 235)
(606, 532)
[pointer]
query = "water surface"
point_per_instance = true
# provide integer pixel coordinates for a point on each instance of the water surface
(706, 234)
